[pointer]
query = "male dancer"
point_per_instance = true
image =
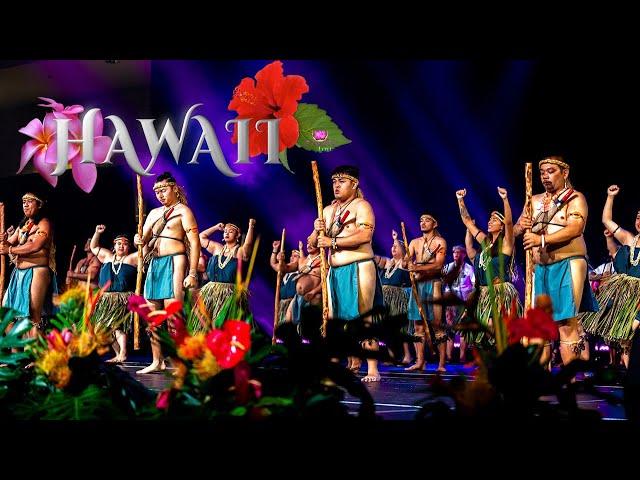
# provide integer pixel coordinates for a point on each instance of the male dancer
(167, 232)
(33, 281)
(429, 251)
(559, 251)
(353, 282)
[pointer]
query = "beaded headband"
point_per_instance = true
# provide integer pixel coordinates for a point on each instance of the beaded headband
(431, 217)
(554, 161)
(344, 175)
(163, 183)
(31, 196)
(234, 226)
(121, 237)
(498, 215)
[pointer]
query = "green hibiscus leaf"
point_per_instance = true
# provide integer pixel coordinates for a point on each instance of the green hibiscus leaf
(318, 133)
(283, 160)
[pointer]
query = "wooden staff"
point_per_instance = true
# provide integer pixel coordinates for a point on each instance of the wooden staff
(276, 306)
(416, 295)
(528, 210)
(136, 319)
(3, 261)
(73, 254)
(323, 256)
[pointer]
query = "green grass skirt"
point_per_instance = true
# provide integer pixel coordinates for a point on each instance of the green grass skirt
(618, 297)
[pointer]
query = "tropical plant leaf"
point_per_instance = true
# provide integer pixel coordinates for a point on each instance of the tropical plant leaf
(313, 120)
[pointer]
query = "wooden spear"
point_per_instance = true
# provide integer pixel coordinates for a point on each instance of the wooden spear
(276, 306)
(323, 256)
(416, 295)
(528, 293)
(136, 319)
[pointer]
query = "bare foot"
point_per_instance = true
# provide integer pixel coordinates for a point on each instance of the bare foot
(355, 366)
(154, 367)
(441, 369)
(371, 378)
(113, 360)
(415, 366)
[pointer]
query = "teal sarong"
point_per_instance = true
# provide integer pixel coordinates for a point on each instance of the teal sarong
(555, 280)
(159, 282)
(18, 296)
(298, 304)
(343, 289)
(425, 291)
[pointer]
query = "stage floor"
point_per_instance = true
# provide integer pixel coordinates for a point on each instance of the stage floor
(398, 395)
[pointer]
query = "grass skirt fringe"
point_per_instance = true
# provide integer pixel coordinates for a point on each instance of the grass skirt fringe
(396, 299)
(284, 305)
(111, 312)
(618, 298)
(214, 295)
(504, 294)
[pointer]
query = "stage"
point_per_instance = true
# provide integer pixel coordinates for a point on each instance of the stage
(399, 394)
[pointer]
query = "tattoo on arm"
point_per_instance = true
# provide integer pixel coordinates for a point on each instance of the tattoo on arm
(463, 211)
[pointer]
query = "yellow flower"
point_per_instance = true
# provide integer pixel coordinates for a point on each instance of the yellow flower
(52, 360)
(60, 376)
(193, 347)
(207, 367)
(179, 375)
(83, 344)
(76, 293)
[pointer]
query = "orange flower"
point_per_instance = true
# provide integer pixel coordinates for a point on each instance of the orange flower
(206, 367)
(192, 348)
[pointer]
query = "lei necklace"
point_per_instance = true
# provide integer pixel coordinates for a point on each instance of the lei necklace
(634, 261)
(227, 258)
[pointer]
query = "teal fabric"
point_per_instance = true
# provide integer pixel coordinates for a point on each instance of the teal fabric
(159, 282)
(298, 304)
(425, 291)
(224, 275)
(622, 262)
(124, 281)
(288, 288)
(18, 294)
(400, 278)
(343, 288)
(496, 263)
(555, 280)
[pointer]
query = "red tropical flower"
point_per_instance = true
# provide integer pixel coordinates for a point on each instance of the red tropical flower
(162, 402)
(179, 330)
(154, 318)
(58, 340)
(536, 324)
(272, 96)
(230, 344)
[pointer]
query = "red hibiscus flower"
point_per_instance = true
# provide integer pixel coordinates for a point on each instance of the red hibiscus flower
(272, 96)
(230, 344)
(536, 324)
(154, 318)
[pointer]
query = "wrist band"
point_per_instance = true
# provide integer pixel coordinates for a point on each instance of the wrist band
(542, 240)
(10, 247)
(476, 235)
(614, 232)
(334, 243)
